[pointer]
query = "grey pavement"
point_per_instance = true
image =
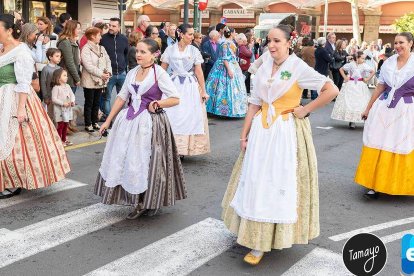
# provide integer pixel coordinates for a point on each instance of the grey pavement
(342, 209)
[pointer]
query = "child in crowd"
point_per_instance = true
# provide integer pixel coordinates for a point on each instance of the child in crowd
(53, 55)
(63, 100)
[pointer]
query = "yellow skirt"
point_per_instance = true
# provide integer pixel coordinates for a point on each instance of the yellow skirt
(265, 236)
(386, 172)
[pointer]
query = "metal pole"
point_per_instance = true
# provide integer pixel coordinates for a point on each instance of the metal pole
(121, 16)
(196, 19)
(325, 19)
(186, 9)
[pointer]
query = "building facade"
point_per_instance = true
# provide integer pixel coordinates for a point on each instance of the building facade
(375, 22)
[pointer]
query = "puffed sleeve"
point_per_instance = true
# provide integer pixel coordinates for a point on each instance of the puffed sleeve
(384, 68)
(312, 80)
(124, 93)
(23, 68)
(198, 58)
(165, 84)
(165, 57)
(347, 67)
(253, 98)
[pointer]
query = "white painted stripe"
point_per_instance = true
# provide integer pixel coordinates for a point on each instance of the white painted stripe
(41, 236)
(326, 128)
(396, 236)
(178, 254)
(372, 228)
(63, 185)
(319, 262)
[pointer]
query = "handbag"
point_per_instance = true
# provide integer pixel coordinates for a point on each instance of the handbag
(66, 114)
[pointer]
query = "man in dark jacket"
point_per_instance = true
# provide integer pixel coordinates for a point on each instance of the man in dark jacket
(63, 18)
(116, 45)
(211, 48)
(322, 61)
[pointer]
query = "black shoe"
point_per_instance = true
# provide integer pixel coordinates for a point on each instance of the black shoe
(181, 157)
(371, 194)
(103, 119)
(95, 126)
(352, 125)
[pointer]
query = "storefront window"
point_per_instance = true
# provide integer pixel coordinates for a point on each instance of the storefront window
(11, 6)
(36, 9)
(56, 9)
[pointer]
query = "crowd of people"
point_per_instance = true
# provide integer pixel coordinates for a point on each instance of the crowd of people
(167, 79)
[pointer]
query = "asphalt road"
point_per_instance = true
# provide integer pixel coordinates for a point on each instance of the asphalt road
(89, 240)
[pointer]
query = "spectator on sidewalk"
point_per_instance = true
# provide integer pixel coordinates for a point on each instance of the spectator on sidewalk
(53, 55)
(116, 45)
(95, 75)
(143, 22)
(164, 29)
(69, 47)
(98, 23)
(244, 54)
(133, 40)
(170, 39)
(210, 47)
(63, 19)
(153, 33)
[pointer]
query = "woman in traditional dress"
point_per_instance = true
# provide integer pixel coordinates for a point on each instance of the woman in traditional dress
(225, 83)
(271, 201)
(31, 153)
(140, 165)
(387, 158)
(354, 95)
(188, 119)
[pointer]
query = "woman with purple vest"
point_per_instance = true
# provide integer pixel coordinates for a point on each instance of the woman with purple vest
(387, 159)
(140, 165)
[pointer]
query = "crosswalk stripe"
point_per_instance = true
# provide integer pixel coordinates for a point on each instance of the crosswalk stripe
(178, 254)
(372, 228)
(38, 237)
(396, 236)
(63, 185)
(318, 262)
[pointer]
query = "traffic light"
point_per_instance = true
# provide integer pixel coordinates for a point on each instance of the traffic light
(122, 5)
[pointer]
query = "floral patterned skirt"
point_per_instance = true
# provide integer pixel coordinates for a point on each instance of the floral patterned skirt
(265, 236)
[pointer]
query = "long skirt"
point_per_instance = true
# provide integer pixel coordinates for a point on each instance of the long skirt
(166, 182)
(38, 158)
(386, 172)
(189, 145)
(351, 102)
(265, 236)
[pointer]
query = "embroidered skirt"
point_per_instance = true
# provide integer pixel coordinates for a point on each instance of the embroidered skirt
(38, 158)
(165, 176)
(265, 236)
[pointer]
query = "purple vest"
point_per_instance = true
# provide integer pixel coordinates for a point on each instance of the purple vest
(406, 91)
(152, 94)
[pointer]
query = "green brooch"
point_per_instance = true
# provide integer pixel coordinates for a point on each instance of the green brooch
(285, 75)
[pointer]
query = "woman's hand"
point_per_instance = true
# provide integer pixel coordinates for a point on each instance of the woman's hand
(204, 97)
(104, 127)
(22, 116)
(231, 74)
(105, 76)
(243, 144)
(72, 104)
(151, 106)
(46, 40)
(300, 112)
(364, 114)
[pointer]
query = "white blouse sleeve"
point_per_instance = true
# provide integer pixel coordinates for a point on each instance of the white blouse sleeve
(165, 84)
(347, 67)
(165, 58)
(198, 58)
(124, 93)
(312, 80)
(253, 98)
(23, 68)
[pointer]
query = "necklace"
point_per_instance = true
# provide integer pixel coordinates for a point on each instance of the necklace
(143, 69)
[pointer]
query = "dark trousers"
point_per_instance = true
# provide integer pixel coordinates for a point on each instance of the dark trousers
(91, 107)
(337, 78)
(62, 129)
(247, 81)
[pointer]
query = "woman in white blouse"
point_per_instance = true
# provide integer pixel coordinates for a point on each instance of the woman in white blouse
(271, 201)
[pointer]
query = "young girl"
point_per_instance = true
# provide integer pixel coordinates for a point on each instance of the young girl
(63, 100)
(354, 95)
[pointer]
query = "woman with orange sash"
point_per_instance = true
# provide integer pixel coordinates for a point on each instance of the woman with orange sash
(271, 201)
